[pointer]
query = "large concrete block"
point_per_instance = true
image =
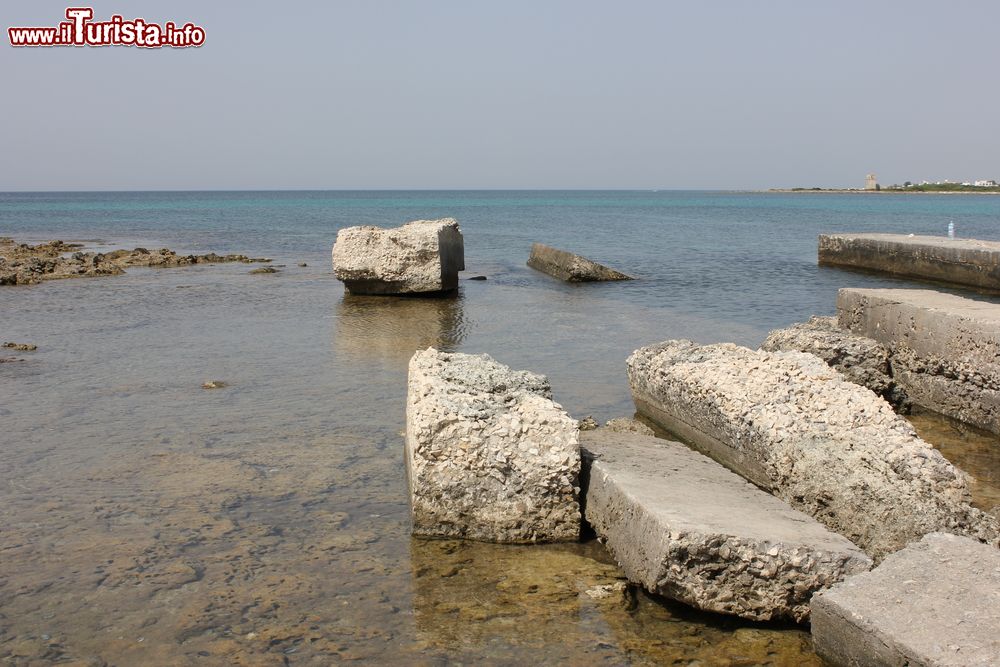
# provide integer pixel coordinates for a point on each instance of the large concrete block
(936, 602)
(683, 526)
(423, 256)
(569, 267)
(489, 455)
(945, 349)
(796, 427)
(959, 261)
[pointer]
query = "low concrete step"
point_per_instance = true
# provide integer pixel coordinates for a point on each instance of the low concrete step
(936, 602)
(685, 527)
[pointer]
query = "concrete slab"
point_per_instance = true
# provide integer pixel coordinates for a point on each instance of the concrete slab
(945, 349)
(960, 261)
(799, 429)
(569, 267)
(936, 602)
(685, 527)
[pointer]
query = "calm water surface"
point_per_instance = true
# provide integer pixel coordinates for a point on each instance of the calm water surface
(144, 520)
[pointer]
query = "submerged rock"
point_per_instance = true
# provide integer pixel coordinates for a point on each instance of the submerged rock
(794, 426)
(685, 527)
(214, 384)
(489, 455)
(20, 347)
(423, 256)
(569, 267)
(263, 269)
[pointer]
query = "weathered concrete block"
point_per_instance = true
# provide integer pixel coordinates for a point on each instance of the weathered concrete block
(945, 349)
(936, 602)
(685, 527)
(796, 427)
(861, 360)
(489, 455)
(569, 267)
(423, 256)
(959, 261)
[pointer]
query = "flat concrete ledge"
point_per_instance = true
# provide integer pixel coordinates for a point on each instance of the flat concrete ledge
(960, 261)
(944, 349)
(569, 267)
(936, 602)
(685, 527)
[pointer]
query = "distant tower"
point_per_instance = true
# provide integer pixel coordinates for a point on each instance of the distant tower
(871, 182)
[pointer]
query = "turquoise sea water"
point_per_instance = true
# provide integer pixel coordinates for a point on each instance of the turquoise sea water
(146, 520)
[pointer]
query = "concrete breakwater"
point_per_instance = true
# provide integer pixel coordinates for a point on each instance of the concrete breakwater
(959, 261)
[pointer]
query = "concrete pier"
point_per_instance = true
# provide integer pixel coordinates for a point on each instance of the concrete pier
(685, 527)
(944, 349)
(959, 261)
(936, 602)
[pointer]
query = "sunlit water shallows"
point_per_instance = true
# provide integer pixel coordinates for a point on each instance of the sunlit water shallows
(145, 520)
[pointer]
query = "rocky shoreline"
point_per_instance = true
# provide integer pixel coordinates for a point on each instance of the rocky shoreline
(24, 264)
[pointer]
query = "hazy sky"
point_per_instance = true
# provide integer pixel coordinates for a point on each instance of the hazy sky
(538, 94)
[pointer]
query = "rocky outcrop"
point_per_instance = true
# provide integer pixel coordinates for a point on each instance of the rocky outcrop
(794, 426)
(423, 256)
(945, 349)
(685, 527)
(569, 267)
(861, 360)
(936, 602)
(20, 347)
(22, 264)
(489, 455)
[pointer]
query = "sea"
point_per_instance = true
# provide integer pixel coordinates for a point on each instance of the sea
(145, 520)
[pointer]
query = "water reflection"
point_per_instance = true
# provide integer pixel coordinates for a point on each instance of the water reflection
(390, 329)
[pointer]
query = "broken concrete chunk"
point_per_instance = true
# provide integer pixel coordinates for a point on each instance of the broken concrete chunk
(683, 526)
(569, 267)
(862, 360)
(794, 426)
(489, 455)
(936, 602)
(423, 256)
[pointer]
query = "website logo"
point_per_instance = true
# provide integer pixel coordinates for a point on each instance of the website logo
(79, 29)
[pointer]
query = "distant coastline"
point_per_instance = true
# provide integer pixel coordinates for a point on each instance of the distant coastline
(884, 191)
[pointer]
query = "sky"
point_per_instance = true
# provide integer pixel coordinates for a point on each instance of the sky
(540, 94)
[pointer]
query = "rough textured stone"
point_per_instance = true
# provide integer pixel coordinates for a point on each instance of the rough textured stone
(960, 261)
(569, 267)
(489, 455)
(862, 360)
(683, 526)
(627, 425)
(945, 349)
(423, 256)
(936, 602)
(796, 427)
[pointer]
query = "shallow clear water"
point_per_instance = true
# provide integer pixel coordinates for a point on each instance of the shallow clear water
(146, 520)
